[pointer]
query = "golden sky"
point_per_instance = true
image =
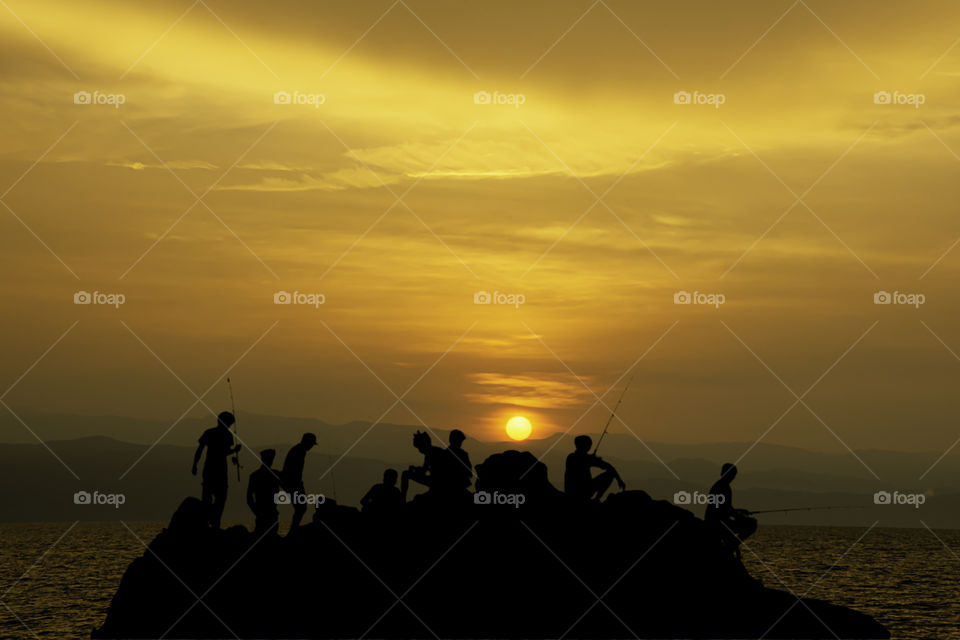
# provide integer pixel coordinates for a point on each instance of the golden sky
(589, 194)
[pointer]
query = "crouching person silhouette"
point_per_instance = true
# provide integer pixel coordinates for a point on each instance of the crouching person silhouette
(262, 490)
(732, 525)
(383, 499)
(425, 473)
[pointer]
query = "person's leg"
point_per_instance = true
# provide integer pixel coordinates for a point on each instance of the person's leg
(733, 531)
(299, 510)
(298, 499)
(266, 521)
(273, 521)
(206, 496)
(600, 484)
(745, 526)
(219, 497)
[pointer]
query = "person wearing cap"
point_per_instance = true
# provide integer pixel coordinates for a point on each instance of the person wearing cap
(292, 476)
(218, 442)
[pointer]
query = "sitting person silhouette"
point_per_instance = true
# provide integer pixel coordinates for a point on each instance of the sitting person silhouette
(733, 525)
(578, 481)
(262, 489)
(442, 471)
(383, 498)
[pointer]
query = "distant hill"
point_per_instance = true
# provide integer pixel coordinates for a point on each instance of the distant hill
(34, 486)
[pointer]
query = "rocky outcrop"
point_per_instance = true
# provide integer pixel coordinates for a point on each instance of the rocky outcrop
(536, 568)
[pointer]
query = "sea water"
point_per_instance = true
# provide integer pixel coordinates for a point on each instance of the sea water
(57, 579)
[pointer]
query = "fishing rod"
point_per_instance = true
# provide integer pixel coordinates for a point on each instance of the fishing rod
(236, 428)
(753, 513)
(612, 414)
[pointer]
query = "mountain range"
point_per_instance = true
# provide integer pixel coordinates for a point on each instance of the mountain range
(152, 470)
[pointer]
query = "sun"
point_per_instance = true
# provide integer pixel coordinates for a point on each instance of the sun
(519, 428)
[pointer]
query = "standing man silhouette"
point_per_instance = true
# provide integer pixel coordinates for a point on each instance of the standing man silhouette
(292, 476)
(218, 441)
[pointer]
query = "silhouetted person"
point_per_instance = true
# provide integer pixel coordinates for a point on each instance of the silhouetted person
(460, 468)
(734, 525)
(383, 498)
(292, 476)
(432, 472)
(262, 490)
(579, 482)
(218, 441)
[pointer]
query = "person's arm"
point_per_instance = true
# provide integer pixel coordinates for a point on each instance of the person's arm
(616, 476)
(196, 456)
(366, 498)
(596, 462)
(251, 502)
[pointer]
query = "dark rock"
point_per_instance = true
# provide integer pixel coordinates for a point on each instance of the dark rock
(632, 566)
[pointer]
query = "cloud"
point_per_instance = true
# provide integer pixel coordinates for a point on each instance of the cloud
(538, 390)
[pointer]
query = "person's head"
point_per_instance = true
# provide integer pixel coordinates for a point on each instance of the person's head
(267, 456)
(225, 419)
(583, 443)
(728, 471)
(421, 441)
(308, 440)
(456, 438)
(390, 477)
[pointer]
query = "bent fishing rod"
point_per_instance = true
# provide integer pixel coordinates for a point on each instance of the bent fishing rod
(612, 414)
(753, 513)
(236, 428)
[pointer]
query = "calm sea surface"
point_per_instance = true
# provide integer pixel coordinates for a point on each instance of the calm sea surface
(57, 581)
